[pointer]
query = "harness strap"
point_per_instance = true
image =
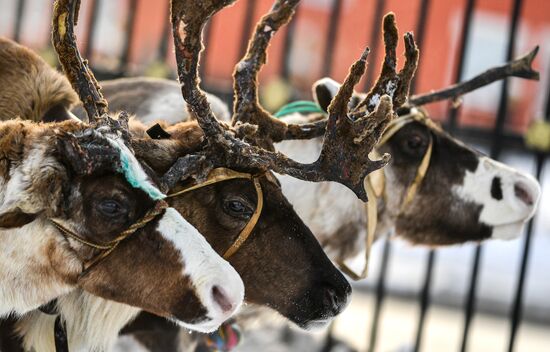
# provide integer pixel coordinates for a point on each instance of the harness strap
(109, 247)
(375, 185)
(61, 341)
(371, 208)
(60, 336)
(223, 174)
(247, 230)
(420, 174)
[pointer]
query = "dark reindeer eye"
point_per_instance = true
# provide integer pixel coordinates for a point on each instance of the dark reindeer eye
(237, 208)
(111, 208)
(415, 142)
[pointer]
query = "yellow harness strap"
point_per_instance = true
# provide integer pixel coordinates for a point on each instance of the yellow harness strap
(371, 208)
(375, 185)
(109, 247)
(223, 174)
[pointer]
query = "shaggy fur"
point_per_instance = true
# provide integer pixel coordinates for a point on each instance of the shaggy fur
(36, 92)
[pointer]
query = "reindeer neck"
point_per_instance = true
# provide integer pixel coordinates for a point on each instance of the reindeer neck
(92, 323)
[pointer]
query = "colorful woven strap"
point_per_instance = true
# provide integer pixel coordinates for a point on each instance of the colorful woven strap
(225, 339)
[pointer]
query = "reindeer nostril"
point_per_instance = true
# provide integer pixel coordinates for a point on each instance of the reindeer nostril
(523, 194)
(331, 299)
(221, 299)
(496, 188)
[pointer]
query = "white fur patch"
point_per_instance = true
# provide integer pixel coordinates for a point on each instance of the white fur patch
(205, 268)
(508, 214)
(28, 280)
(128, 343)
(323, 206)
(167, 105)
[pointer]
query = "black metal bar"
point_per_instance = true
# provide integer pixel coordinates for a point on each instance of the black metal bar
(92, 23)
(19, 11)
(425, 292)
(467, 26)
(288, 42)
(329, 341)
(420, 32)
(129, 31)
(331, 37)
(517, 307)
(496, 148)
(374, 39)
(424, 299)
(470, 301)
(380, 295)
(165, 36)
(503, 103)
(247, 26)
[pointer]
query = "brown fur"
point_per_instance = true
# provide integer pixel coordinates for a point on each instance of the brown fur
(34, 88)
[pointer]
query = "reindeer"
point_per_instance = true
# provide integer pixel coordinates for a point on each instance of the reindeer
(78, 210)
(436, 227)
(46, 97)
(290, 274)
(487, 200)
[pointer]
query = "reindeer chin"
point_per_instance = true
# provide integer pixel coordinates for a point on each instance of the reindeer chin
(508, 231)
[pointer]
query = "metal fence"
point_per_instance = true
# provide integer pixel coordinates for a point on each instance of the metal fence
(496, 138)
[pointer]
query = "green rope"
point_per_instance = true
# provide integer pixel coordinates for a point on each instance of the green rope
(301, 106)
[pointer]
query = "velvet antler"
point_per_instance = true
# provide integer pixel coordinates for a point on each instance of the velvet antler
(248, 145)
(520, 67)
(389, 82)
(65, 17)
(86, 150)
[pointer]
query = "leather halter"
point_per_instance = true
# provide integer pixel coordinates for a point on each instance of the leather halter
(108, 247)
(223, 174)
(375, 184)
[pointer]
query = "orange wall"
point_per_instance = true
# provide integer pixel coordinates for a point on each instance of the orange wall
(438, 50)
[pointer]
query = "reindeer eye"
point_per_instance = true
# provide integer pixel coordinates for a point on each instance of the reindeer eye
(415, 142)
(111, 208)
(237, 208)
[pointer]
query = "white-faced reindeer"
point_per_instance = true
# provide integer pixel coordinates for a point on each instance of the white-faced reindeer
(281, 263)
(78, 210)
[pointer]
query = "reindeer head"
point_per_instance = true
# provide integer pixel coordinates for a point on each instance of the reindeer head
(276, 254)
(105, 226)
(459, 194)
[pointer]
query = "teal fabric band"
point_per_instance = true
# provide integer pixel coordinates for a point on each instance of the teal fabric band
(301, 106)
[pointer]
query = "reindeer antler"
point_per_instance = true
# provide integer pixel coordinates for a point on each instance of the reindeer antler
(520, 67)
(348, 139)
(65, 17)
(246, 106)
(394, 84)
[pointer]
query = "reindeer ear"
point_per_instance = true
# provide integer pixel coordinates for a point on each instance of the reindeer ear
(15, 217)
(58, 113)
(324, 90)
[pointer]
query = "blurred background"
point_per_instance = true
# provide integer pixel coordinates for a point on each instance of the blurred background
(494, 297)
